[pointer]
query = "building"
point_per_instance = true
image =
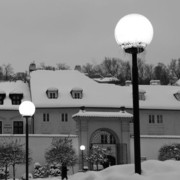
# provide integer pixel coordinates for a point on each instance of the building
(70, 103)
(11, 95)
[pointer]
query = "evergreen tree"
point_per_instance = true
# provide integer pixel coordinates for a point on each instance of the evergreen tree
(98, 155)
(61, 152)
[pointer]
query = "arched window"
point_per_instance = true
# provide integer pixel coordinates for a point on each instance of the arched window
(102, 136)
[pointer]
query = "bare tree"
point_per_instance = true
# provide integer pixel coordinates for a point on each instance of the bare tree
(111, 66)
(46, 67)
(62, 66)
(12, 153)
(7, 71)
(161, 73)
(88, 69)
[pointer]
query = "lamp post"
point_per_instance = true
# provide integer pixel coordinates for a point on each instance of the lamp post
(82, 148)
(27, 109)
(133, 33)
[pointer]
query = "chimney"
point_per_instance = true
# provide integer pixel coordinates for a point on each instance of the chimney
(122, 108)
(82, 108)
(32, 67)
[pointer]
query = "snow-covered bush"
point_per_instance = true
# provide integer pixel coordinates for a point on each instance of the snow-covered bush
(169, 152)
(55, 170)
(23, 177)
(3, 174)
(40, 171)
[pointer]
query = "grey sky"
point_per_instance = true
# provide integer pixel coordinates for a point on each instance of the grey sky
(81, 31)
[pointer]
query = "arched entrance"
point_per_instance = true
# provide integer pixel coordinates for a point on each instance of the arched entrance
(107, 139)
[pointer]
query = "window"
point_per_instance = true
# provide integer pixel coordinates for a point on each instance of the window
(151, 119)
(64, 117)
(18, 127)
(2, 97)
(142, 95)
(16, 98)
(159, 119)
(52, 93)
(0, 127)
(46, 117)
(104, 138)
(112, 139)
(77, 93)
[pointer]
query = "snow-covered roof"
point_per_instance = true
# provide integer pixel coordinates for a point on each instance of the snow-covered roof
(13, 87)
(120, 114)
(52, 89)
(77, 89)
(106, 79)
(96, 94)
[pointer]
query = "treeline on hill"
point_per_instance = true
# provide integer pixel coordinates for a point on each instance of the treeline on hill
(167, 74)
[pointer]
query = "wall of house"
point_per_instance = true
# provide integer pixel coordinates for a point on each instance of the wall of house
(55, 125)
(38, 144)
(150, 145)
(169, 126)
(7, 117)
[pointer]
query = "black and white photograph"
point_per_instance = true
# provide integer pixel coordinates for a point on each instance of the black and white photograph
(89, 90)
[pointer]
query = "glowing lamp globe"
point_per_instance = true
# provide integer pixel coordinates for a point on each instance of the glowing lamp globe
(82, 147)
(27, 108)
(133, 31)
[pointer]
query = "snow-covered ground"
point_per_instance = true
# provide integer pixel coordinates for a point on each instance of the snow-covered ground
(151, 170)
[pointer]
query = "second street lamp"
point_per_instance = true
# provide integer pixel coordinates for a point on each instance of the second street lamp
(27, 110)
(133, 33)
(82, 148)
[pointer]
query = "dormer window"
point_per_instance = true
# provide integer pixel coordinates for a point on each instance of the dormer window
(77, 93)
(142, 95)
(16, 98)
(2, 97)
(52, 93)
(177, 95)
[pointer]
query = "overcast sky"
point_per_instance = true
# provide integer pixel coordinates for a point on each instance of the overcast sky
(81, 31)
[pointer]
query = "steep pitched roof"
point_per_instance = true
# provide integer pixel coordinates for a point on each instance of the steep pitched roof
(95, 94)
(13, 87)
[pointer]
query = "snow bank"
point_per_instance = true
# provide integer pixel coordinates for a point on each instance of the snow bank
(151, 170)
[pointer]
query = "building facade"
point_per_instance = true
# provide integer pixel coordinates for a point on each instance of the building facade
(60, 95)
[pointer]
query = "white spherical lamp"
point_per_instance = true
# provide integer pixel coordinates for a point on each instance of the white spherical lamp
(27, 108)
(133, 31)
(82, 147)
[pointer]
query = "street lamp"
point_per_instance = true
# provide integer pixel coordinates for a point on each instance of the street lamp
(82, 148)
(133, 33)
(27, 109)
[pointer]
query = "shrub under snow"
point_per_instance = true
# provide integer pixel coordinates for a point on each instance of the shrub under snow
(169, 152)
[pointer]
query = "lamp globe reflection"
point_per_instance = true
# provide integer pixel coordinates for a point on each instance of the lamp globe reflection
(27, 108)
(133, 31)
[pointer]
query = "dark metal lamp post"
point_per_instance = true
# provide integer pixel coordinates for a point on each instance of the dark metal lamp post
(27, 110)
(82, 148)
(133, 33)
